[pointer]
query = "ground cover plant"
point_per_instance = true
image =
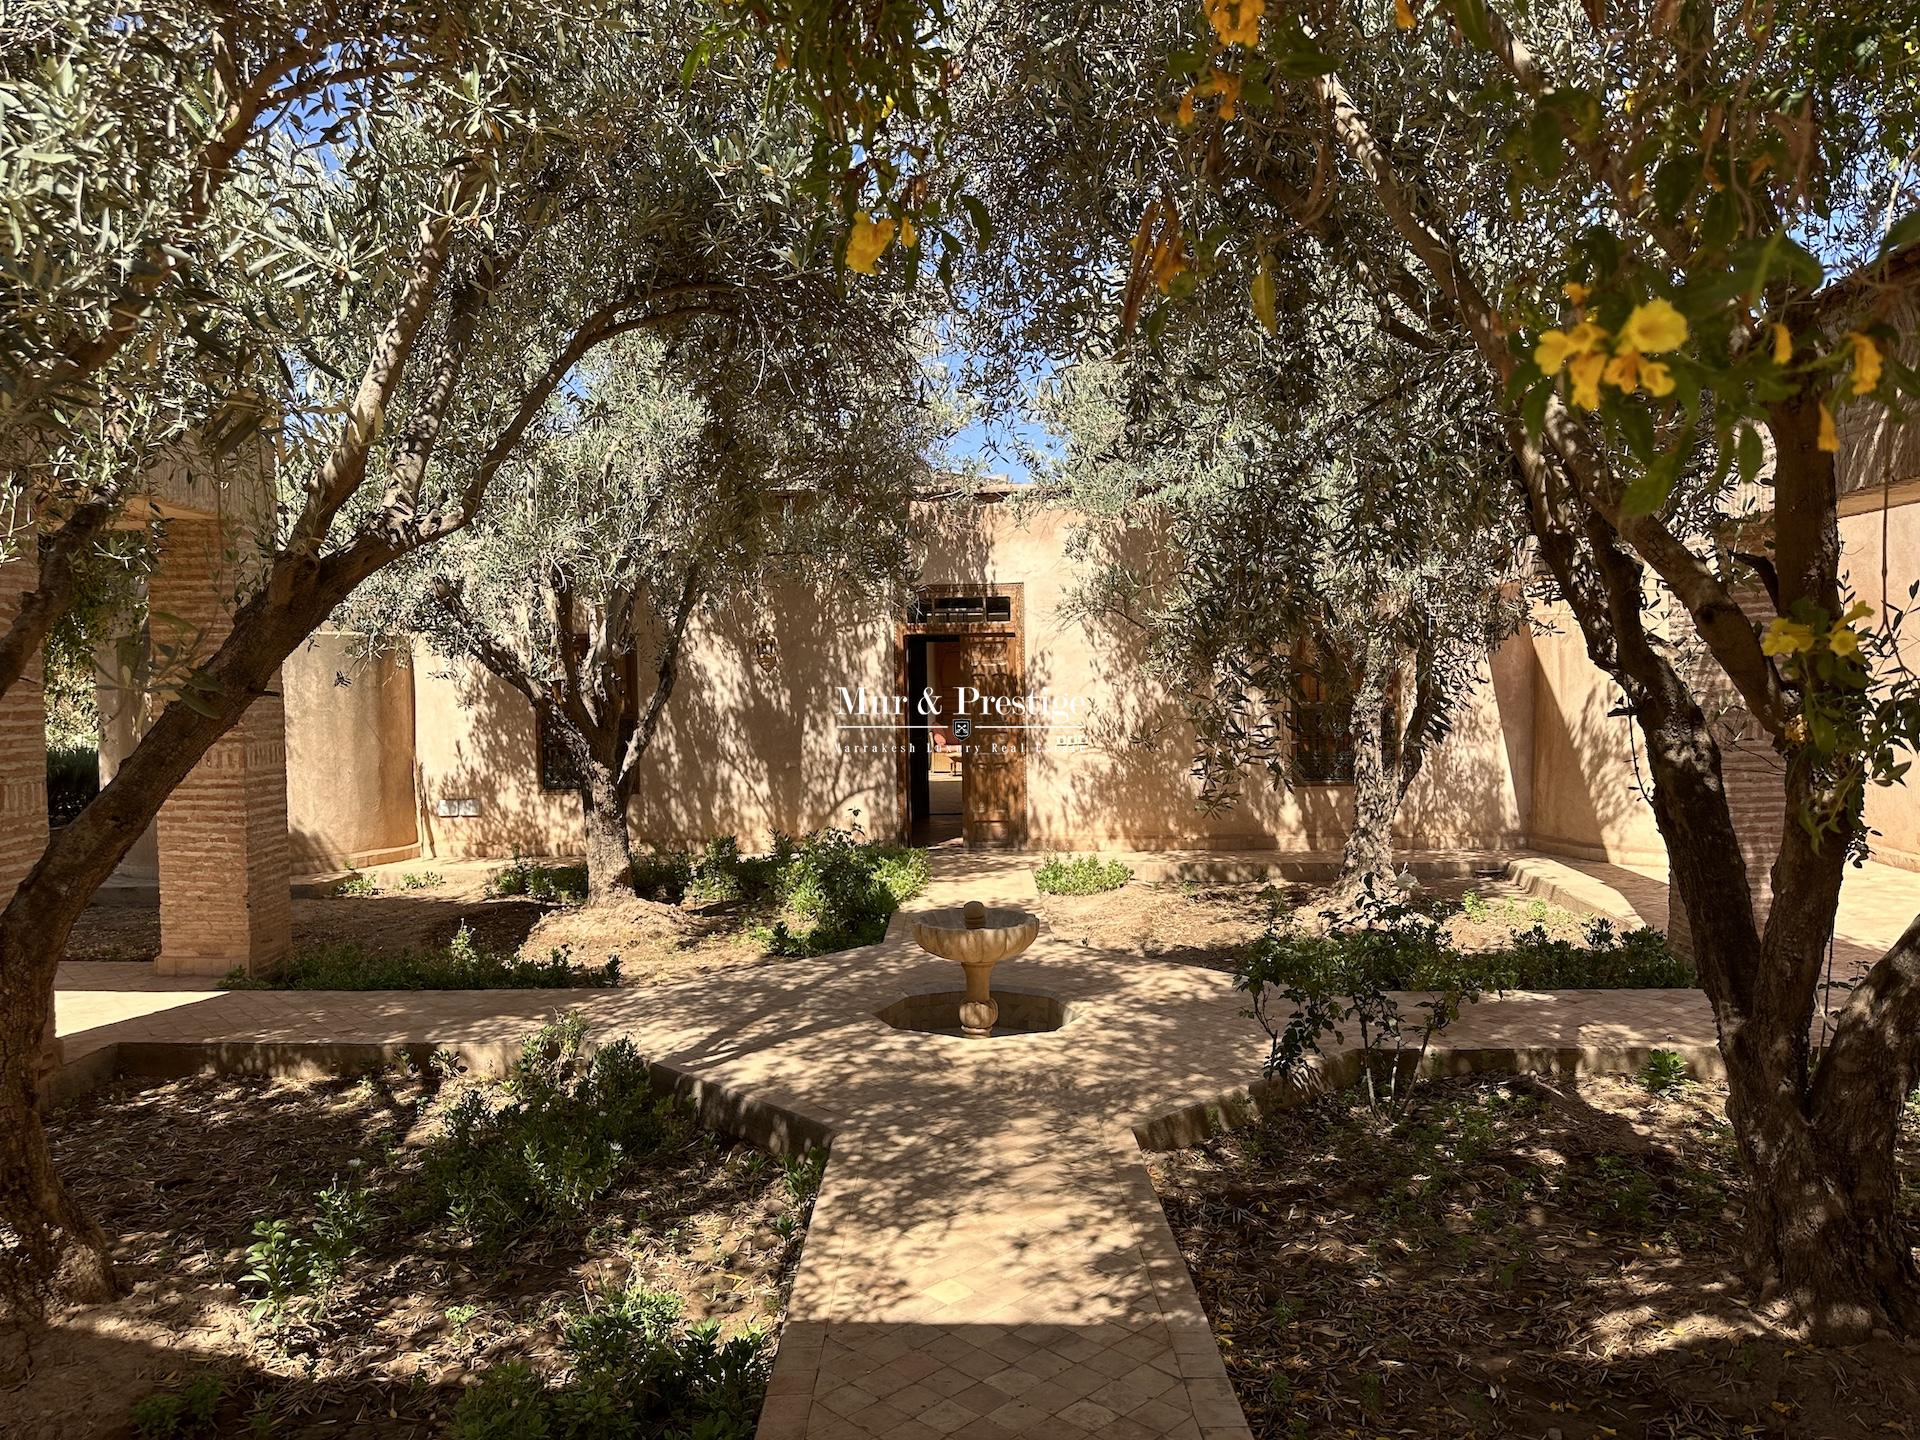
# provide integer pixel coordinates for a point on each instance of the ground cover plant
(1338, 983)
(1406, 948)
(341, 1268)
(524, 926)
(1510, 1258)
(549, 884)
(460, 964)
(1079, 875)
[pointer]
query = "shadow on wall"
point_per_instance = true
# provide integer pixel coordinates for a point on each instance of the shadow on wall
(1133, 782)
(1590, 778)
(749, 743)
(350, 755)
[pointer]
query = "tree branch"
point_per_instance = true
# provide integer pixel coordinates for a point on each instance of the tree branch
(665, 674)
(41, 607)
(1721, 623)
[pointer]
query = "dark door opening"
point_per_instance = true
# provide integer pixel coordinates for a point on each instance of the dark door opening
(935, 787)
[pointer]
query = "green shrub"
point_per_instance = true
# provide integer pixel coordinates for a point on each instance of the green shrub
(290, 1268)
(559, 1133)
(1342, 976)
(421, 880)
(73, 778)
(357, 884)
(635, 1369)
(716, 874)
(1609, 960)
(829, 891)
(458, 965)
(663, 875)
(836, 892)
(549, 884)
(1079, 875)
(1418, 956)
(1342, 979)
(179, 1414)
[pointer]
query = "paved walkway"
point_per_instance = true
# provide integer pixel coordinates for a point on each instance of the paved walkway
(986, 1257)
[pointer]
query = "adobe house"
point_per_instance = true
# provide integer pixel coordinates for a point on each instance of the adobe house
(795, 711)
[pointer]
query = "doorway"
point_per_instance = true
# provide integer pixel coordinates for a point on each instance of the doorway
(935, 759)
(963, 782)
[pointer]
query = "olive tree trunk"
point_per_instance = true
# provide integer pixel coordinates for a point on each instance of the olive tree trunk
(603, 804)
(52, 1237)
(1377, 790)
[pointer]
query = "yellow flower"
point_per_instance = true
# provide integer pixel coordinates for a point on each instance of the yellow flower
(1634, 369)
(1829, 437)
(1585, 372)
(1843, 641)
(1227, 87)
(1655, 378)
(908, 234)
(1403, 15)
(1185, 113)
(1859, 610)
(1236, 22)
(1556, 347)
(1552, 351)
(1866, 363)
(1782, 344)
(867, 241)
(1786, 637)
(1576, 292)
(1653, 327)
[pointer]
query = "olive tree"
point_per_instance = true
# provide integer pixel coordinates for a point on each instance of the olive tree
(1676, 242)
(682, 476)
(1337, 556)
(448, 253)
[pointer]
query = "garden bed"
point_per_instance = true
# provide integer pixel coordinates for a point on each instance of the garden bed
(1215, 925)
(416, 1253)
(1511, 1259)
(522, 925)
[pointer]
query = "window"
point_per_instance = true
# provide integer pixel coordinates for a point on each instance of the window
(1322, 729)
(926, 608)
(557, 768)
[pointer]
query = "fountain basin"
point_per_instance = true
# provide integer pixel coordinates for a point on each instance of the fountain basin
(976, 937)
(953, 934)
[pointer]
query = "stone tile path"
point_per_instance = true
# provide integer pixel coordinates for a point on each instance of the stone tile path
(987, 1257)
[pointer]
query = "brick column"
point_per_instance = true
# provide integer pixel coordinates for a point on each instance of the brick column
(225, 881)
(1752, 772)
(23, 755)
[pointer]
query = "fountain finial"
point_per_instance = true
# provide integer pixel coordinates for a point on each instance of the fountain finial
(975, 914)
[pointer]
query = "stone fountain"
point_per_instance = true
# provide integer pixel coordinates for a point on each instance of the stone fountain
(977, 938)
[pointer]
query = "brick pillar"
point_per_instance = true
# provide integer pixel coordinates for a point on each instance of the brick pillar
(1751, 770)
(225, 881)
(23, 755)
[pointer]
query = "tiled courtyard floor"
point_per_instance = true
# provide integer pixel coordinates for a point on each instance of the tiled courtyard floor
(986, 1257)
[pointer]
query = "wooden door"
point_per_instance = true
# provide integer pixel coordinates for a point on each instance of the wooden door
(993, 792)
